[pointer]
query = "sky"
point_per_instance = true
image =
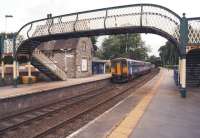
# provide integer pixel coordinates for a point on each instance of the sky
(24, 11)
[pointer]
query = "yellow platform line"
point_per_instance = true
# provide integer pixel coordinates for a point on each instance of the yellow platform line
(127, 126)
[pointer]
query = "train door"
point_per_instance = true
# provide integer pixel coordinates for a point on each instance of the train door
(118, 68)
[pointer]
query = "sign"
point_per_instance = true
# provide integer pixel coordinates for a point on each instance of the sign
(84, 64)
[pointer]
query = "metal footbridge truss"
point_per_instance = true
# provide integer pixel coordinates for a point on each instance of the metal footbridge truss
(138, 18)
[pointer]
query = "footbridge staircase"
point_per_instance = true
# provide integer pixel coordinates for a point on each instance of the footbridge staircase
(47, 66)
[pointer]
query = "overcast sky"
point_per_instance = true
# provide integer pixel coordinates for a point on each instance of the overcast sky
(28, 10)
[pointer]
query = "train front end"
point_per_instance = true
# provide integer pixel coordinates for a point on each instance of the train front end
(119, 70)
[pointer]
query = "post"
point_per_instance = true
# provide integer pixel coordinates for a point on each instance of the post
(2, 70)
(182, 46)
(104, 68)
(14, 62)
(179, 71)
(183, 65)
(2, 59)
(14, 73)
(29, 69)
(65, 60)
(17, 70)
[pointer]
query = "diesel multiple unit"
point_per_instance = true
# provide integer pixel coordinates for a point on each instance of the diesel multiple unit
(124, 69)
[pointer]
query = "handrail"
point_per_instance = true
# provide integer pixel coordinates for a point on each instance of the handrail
(109, 8)
(61, 66)
(103, 9)
(48, 63)
(151, 9)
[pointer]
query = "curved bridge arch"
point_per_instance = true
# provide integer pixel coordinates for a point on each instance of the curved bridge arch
(137, 18)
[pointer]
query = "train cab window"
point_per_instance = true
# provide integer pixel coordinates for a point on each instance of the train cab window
(124, 63)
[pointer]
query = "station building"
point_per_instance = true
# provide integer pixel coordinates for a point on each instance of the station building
(193, 66)
(73, 56)
(100, 66)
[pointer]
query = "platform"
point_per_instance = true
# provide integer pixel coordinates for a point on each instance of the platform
(162, 113)
(31, 96)
(25, 89)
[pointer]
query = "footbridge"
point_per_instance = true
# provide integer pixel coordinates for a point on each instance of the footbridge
(136, 18)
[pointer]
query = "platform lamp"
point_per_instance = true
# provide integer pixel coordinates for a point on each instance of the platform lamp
(3, 37)
(15, 76)
(6, 17)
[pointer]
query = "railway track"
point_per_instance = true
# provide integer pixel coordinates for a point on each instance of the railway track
(11, 123)
(51, 121)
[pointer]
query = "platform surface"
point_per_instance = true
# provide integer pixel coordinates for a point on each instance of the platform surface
(170, 116)
(10, 91)
(167, 115)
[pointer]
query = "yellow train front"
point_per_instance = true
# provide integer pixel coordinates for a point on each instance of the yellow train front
(124, 69)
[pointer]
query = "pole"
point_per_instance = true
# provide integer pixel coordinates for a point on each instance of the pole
(65, 60)
(179, 71)
(2, 70)
(29, 69)
(2, 59)
(183, 73)
(17, 72)
(7, 16)
(5, 24)
(14, 62)
(14, 73)
(183, 44)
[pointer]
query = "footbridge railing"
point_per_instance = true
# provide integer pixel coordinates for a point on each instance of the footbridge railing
(103, 21)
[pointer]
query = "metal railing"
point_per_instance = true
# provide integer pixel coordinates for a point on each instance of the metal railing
(42, 58)
(121, 17)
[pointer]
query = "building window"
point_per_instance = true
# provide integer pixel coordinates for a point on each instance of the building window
(84, 46)
(84, 64)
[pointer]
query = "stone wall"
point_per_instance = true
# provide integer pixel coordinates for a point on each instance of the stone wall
(70, 63)
(84, 53)
(80, 53)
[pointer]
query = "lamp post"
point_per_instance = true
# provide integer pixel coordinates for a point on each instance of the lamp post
(3, 37)
(7, 16)
(15, 64)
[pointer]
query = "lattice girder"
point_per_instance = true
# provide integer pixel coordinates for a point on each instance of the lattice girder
(193, 31)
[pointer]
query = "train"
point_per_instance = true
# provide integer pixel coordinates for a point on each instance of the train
(124, 69)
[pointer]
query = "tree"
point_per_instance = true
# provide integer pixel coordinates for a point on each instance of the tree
(124, 45)
(94, 40)
(154, 60)
(168, 54)
(139, 53)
